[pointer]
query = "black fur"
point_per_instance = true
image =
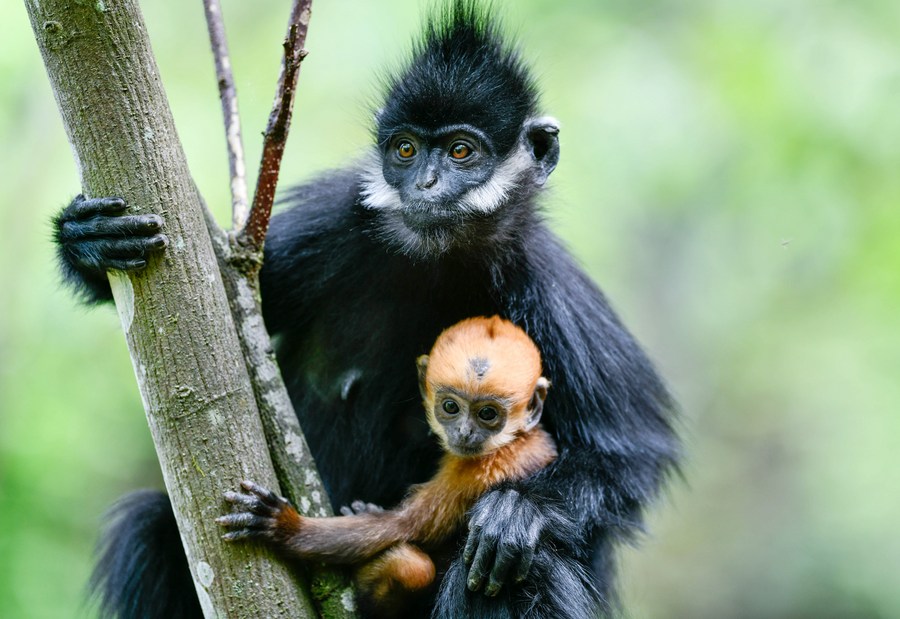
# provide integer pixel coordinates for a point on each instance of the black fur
(352, 311)
(558, 587)
(142, 570)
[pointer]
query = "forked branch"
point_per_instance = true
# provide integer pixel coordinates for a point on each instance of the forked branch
(239, 255)
(250, 227)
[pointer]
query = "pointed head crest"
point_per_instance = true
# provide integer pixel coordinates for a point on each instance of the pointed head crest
(461, 71)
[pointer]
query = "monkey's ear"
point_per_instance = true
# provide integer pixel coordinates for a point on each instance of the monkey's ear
(536, 406)
(422, 367)
(541, 136)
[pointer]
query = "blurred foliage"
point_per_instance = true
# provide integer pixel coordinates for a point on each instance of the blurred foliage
(730, 173)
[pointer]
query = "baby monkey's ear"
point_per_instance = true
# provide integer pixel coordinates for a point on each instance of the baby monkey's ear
(536, 405)
(422, 367)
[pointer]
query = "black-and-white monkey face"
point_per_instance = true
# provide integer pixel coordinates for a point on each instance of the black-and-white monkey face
(431, 184)
(435, 172)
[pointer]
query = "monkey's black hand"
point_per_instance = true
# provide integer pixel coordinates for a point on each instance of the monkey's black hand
(265, 515)
(360, 507)
(504, 531)
(94, 236)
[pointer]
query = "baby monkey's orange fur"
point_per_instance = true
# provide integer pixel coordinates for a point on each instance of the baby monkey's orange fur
(483, 393)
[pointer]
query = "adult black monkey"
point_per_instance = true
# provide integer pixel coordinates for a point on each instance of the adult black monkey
(362, 273)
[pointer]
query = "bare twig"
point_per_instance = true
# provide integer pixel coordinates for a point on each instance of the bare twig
(253, 232)
(228, 95)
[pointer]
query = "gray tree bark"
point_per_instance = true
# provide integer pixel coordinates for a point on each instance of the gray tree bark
(192, 376)
(330, 586)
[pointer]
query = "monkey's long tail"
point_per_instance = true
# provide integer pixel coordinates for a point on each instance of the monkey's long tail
(142, 572)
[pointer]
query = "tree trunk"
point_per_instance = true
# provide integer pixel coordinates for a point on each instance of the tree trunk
(191, 373)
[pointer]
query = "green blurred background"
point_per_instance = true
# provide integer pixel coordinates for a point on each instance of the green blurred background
(730, 174)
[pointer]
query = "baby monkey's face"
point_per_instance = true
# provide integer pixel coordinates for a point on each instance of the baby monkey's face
(470, 425)
(481, 385)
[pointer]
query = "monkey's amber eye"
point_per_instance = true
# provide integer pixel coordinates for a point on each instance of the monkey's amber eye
(488, 413)
(406, 149)
(460, 151)
(450, 407)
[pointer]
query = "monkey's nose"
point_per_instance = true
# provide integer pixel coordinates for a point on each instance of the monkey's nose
(426, 183)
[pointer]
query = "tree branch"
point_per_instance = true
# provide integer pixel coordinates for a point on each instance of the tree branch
(236, 161)
(253, 233)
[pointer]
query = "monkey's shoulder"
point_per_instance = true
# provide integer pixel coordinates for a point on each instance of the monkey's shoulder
(317, 208)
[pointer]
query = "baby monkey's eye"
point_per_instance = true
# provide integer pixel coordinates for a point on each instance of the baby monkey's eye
(460, 150)
(488, 413)
(405, 149)
(450, 407)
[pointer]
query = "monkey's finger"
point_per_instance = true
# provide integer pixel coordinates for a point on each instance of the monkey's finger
(249, 503)
(346, 511)
(524, 564)
(506, 556)
(361, 507)
(83, 207)
(233, 536)
(534, 534)
(97, 227)
(126, 265)
(135, 247)
(480, 564)
(471, 544)
(245, 520)
(269, 497)
(103, 254)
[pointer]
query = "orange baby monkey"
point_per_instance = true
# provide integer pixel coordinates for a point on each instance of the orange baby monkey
(483, 394)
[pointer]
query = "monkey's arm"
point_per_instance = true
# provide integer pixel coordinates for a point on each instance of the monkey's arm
(341, 539)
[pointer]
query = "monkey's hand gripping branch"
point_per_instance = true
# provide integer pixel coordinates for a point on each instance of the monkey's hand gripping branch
(266, 516)
(505, 530)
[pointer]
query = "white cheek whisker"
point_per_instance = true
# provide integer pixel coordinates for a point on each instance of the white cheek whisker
(376, 193)
(490, 195)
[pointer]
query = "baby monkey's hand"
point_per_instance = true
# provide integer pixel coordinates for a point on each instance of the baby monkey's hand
(261, 515)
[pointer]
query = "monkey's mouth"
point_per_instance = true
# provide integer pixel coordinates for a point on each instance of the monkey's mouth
(430, 215)
(466, 450)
